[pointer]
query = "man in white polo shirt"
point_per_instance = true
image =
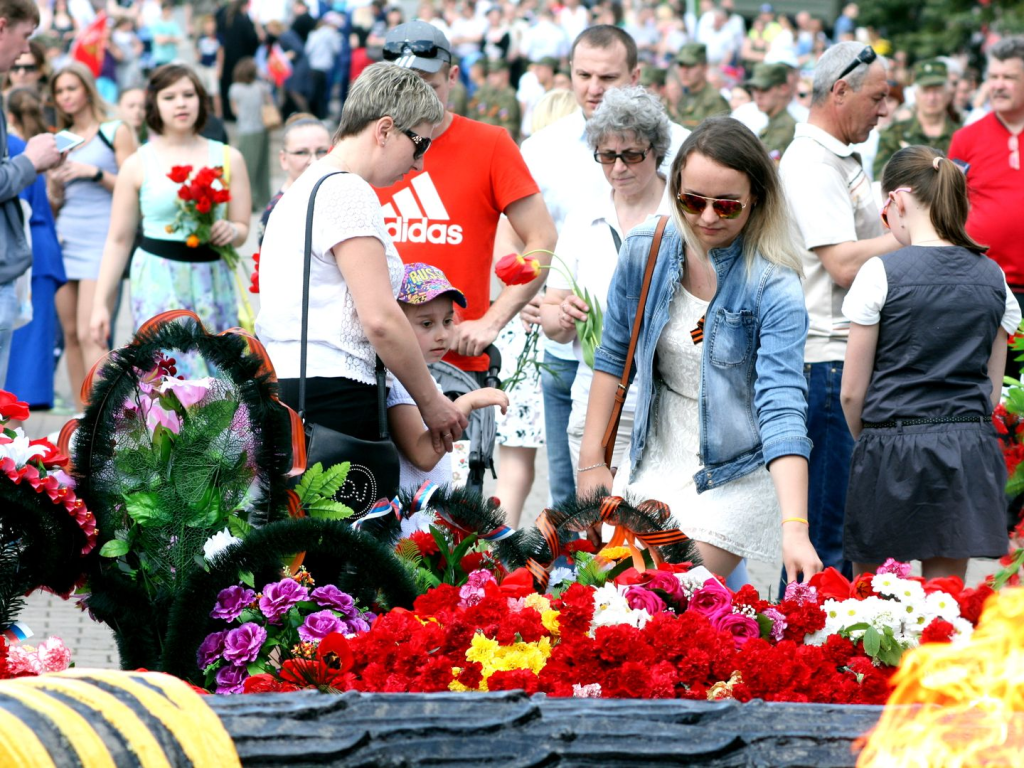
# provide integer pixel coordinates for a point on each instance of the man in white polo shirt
(831, 198)
(563, 165)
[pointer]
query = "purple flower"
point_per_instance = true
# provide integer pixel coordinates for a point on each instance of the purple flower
(319, 625)
(711, 600)
(211, 649)
(243, 645)
(230, 679)
(329, 596)
(280, 596)
(896, 568)
(641, 598)
(231, 602)
(369, 617)
(802, 593)
(741, 627)
(357, 626)
(779, 624)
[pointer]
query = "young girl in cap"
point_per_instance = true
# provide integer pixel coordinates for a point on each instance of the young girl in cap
(426, 297)
(924, 369)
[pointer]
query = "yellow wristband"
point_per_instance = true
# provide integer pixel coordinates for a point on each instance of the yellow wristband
(795, 520)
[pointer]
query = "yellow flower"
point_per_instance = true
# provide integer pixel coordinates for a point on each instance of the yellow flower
(502, 658)
(550, 621)
(614, 553)
(455, 685)
(538, 602)
(169, 229)
(192, 241)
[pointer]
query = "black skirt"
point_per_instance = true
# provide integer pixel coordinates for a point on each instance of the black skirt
(932, 490)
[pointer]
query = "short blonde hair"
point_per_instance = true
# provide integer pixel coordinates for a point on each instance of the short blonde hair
(387, 90)
(555, 105)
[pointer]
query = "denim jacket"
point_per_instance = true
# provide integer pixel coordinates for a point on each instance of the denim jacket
(753, 394)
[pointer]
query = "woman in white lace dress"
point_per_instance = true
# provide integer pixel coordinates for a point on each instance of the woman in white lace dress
(719, 360)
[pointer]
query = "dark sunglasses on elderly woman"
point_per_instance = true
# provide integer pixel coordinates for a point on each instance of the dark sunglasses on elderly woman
(695, 204)
(422, 144)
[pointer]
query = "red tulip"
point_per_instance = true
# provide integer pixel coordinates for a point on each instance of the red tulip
(11, 407)
(516, 269)
(179, 173)
(203, 205)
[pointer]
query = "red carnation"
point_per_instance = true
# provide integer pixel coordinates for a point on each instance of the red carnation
(265, 683)
(513, 680)
(938, 631)
(425, 543)
(972, 600)
(443, 597)
(179, 173)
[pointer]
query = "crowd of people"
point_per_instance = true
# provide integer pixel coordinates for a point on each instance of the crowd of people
(796, 236)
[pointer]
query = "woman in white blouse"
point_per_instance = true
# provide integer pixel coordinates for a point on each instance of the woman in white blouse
(630, 135)
(385, 128)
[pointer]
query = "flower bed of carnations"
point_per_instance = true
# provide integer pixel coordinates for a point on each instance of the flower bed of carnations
(673, 632)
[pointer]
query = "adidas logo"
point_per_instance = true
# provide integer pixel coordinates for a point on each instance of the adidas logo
(421, 216)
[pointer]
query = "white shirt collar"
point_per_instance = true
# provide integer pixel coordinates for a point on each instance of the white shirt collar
(826, 139)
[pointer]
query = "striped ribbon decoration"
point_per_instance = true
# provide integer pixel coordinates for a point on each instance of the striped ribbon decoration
(17, 632)
(697, 334)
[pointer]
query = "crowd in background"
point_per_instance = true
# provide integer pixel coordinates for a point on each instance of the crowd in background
(265, 63)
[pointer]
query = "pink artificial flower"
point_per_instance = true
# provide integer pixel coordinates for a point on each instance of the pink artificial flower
(802, 593)
(53, 655)
(741, 627)
(22, 661)
(641, 598)
(155, 414)
(188, 391)
(669, 584)
(472, 592)
(711, 600)
(896, 568)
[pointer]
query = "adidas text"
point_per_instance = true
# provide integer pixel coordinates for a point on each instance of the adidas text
(422, 231)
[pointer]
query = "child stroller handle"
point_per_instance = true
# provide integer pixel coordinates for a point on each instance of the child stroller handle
(493, 367)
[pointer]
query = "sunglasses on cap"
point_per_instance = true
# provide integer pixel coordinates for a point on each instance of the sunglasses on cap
(695, 204)
(422, 144)
(629, 157)
(422, 48)
(866, 56)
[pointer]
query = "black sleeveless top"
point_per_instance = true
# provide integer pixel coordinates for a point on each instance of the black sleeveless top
(942, 311)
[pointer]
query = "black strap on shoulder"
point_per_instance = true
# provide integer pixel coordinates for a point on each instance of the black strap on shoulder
(381, 373)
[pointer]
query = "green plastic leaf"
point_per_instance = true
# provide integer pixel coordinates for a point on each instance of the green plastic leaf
(872, 641)
(325, 509)
(765, 624)
(310, 482)
(144, 508)
(247, 578)
(114, 548)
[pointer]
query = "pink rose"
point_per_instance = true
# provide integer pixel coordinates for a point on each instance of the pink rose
(188, 391)
(742, 628)
(668, 583)
(711, 600)
(641, 598)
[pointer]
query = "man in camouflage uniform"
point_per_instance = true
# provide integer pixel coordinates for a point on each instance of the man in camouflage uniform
(653, 79)
(769, 84)
(495, 102)
(930, 125)
(700, 100)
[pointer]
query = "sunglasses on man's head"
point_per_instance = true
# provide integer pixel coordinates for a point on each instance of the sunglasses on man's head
(724, 208)
(422, 143)
(629, 157)
(866, 56)
(422, 48)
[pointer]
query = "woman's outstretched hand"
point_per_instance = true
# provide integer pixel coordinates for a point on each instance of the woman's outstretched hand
(798, 555)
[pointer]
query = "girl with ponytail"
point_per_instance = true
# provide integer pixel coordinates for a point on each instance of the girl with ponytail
(924, 369)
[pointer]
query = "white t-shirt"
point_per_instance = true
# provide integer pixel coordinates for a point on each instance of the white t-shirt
(863, 304)
(757, 121)
(832, 202)
(586, 246)
(410, 475)
(346, 207)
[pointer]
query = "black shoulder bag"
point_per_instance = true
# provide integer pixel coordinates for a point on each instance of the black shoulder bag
(374, 471)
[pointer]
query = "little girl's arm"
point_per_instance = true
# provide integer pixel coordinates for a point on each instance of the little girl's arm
(412, 437)
(997, 365)
(482, 398)
(857, 370)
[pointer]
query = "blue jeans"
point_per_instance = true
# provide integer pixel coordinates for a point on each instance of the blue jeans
(829, 466)
(556, 380)
(8, 316)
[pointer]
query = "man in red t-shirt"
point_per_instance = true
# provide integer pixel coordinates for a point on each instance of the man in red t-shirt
(995, 181)
(447, 214)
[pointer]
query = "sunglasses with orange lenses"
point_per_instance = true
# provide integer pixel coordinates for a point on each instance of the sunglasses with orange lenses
(695, 204)
(885, 208)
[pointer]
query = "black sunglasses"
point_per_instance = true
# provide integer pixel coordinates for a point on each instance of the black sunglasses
(867, 56)
(422, 48)
(422, 144)
(629, 157)
(24, 68)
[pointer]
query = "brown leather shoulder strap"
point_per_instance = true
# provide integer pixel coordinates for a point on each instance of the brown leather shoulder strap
(620, 393)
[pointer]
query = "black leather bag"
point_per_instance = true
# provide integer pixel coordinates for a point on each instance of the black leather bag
(374, 471)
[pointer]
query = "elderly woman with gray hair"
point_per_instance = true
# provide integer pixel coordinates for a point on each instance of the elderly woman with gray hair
(630, 135)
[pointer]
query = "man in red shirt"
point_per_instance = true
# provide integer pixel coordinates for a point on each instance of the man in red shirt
(447, 214)
(995, 182)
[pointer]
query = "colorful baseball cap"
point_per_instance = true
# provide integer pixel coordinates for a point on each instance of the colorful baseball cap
(423, 283)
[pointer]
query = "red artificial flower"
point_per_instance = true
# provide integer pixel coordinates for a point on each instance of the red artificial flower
(471, 675)
(576, 609)
(333, 659)
(205, 205)
(184, 193)
(254, 282)
(443, 597)
(861, 587)
(12, 408)
(474, 561)
(179, 173)
(972, 600)
(265, 683)
(517, 584)
(424, 542)
(221, 196)
(513, 680)
(951, 585)
(938, 631)
(831, 585)
(53, 457)
(515, 269)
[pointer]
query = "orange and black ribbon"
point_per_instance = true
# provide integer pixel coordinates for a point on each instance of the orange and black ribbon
(697, 334)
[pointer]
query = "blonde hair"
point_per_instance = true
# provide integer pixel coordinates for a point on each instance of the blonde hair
(770, 231)
(100, 109)
(555, 105)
